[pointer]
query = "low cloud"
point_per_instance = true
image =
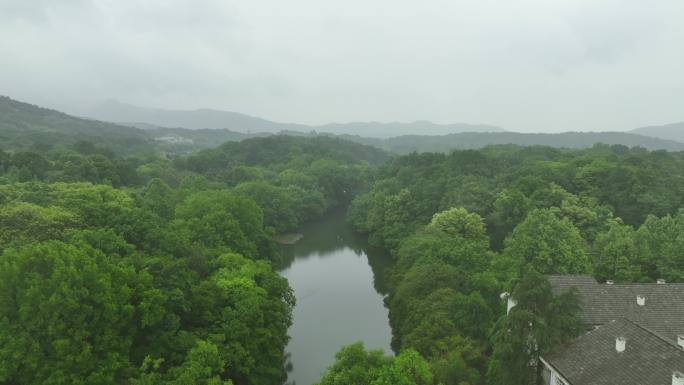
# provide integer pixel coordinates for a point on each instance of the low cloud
(529, 65)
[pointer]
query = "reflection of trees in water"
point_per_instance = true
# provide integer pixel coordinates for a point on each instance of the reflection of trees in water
(380, 261)
(288, 368)
(325, 237)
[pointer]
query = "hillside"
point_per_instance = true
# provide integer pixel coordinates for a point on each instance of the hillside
(674, 131)
(115, 111)
(24, 126)
(281, 149)
(444, 143)
(388, 130)
(183, 140)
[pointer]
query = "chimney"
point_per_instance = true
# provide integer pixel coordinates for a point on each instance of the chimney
(609, 282)
(621, 344)
(680, 341)
(510, 304)
(660, 281)
(641, 300)
(677, 378)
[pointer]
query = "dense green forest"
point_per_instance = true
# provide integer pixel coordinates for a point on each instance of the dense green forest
(124, 265)
(466, 226)
(146, 270)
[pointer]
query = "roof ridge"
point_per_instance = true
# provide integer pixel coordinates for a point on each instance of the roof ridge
(655, 334)
(555, 351)
(654, 284)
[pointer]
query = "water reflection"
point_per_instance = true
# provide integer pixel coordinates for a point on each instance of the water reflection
(339, 285)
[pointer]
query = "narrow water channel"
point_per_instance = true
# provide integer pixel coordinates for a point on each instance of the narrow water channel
(338, 281)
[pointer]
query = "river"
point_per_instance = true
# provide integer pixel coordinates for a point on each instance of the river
(338, 282)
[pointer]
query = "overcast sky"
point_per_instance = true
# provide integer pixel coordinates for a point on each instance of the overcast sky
(527, 65)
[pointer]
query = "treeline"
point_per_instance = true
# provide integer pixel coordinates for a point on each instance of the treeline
(406, 144)
(24, 126)
(148, 270)
(294, 179)
(83, 161)
(466, 226)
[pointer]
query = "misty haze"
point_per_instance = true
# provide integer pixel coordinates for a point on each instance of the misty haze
(341, 192)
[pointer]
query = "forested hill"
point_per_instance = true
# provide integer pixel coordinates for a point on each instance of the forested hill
(392, 129)
(25, 126)
(281, 150)
(674, 131)
(115, 111)
(474, 140)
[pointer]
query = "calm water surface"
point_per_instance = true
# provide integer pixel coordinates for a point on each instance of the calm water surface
(338, 282)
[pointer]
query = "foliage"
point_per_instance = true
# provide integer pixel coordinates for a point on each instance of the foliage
(538, 323)
(153, 269)
(436, 300)
(70, 315)
(354, 365)
(549, 244)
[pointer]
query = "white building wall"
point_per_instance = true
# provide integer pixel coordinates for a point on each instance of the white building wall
(550, 376)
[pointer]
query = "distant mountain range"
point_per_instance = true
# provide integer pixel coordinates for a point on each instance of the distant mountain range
(115, 111)
(26, 126)
(674, 131)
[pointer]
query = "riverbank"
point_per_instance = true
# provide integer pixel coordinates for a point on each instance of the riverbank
(335, 279)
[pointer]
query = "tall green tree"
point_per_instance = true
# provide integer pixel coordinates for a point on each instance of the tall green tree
(615, 254)
(219, 220)
(354, 365)
(22, 223)
(408, 368)
(549, 244)
(536, 325)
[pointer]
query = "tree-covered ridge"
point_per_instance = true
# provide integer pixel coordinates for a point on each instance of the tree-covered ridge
(504, 183)
(466, 226)
(282, 151)
(212, 119)
(406, 144)
(294, 179)
(25, 126)
(673, 131)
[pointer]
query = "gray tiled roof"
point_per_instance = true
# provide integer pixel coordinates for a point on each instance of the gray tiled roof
(593, 360)
(662, 313)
